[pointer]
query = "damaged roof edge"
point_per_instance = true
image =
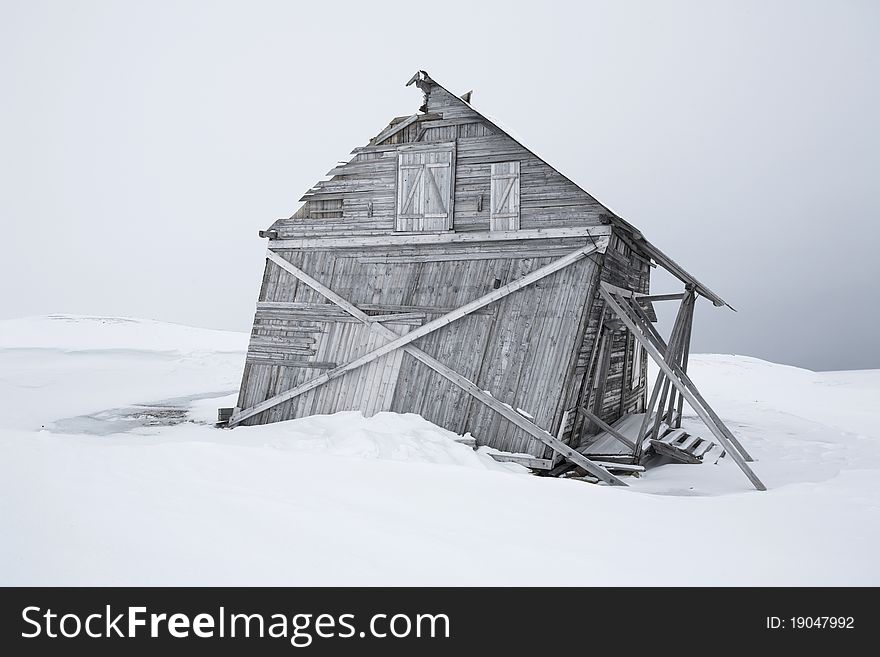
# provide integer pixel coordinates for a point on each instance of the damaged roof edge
(423, 82)
(668, 263)
(676, 270)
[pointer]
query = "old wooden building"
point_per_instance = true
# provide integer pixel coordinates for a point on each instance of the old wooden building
(449, 271)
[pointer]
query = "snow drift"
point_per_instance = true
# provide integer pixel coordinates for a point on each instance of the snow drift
(112, 473)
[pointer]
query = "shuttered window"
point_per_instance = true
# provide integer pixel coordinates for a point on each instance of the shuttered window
(425, 181)
(504, 214)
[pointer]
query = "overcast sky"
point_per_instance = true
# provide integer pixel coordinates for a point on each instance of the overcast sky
(144, 144)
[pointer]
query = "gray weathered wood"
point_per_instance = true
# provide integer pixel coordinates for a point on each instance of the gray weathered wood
(415, 334)
(409, 239)
(522, 459)
(392, 130)
(504, 206)
(671, 355)
(684, 362)
(661, 297)
(468, 386)
(607, 427)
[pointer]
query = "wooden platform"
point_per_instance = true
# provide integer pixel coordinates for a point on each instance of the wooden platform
(676, 444)
(605, 445)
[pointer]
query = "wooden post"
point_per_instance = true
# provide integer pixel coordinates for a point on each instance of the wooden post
(576, 429)
(660, 383)
(671, 354)
(678, 351)
(683, 384)
(684, 360)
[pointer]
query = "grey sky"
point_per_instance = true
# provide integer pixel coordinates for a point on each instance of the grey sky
(142, 145)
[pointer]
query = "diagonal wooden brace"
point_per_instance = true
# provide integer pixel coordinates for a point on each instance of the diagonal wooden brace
(451, 375)
(611, 431)
(662, 347)
(680, 381)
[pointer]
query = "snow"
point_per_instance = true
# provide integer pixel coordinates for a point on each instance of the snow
(525, 413)
(112, 473)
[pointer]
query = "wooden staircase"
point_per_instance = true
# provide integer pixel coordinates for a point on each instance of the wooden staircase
(678, 445)
(675, 443)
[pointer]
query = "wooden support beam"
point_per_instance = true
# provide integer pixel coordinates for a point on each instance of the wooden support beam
(684, 364)
(672, 354)
(614, 433)
(508, 413)
(620, 291)
(659, 384)
(662, 297)
(448, 373)
(661, 345)
(448, 237)
(623, 292)
(586, 388)
(687, 307)
(684, 385)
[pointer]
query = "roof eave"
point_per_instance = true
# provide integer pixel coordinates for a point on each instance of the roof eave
(677, 270)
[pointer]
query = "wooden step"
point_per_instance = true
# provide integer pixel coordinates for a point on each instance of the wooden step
(673, 436)
(673, 452)
(702, 447)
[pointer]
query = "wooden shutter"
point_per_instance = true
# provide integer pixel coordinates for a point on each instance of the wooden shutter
(425, 181)
(504, 208)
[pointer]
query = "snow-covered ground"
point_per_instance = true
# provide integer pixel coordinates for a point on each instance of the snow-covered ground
(111, 473)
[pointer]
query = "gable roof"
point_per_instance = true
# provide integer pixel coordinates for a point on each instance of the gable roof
(422, 80)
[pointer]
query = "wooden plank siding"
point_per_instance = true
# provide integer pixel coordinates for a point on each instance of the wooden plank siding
(366, 186)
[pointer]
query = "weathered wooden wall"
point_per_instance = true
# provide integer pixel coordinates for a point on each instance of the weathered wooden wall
(519, 349)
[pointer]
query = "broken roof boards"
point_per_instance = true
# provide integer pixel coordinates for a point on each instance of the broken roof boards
(447, 270)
